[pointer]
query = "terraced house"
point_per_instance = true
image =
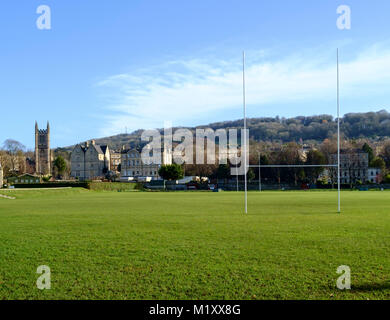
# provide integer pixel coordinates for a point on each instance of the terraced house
(353, 166)
(133, 168)
(90, 161)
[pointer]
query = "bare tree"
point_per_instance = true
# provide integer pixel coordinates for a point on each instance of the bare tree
(15, 150)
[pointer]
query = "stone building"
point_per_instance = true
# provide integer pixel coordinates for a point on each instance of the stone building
(43, 157)
(133, 168)
(115, 158)
(1, 176)
(353, 166)
(374, 175)
(90, 161)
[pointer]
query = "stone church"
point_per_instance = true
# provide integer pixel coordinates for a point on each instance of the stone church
(43, 156)
(90, 161)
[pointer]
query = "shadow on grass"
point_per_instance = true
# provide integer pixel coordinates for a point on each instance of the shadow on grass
(368, 287)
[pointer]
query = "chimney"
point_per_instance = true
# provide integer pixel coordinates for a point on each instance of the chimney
(93, 142)
(86, 144)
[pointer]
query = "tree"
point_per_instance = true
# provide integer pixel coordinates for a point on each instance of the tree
(111, 176)
(314, 157)
(171, 172)
(15, 150)
(250, 175)
(223, 171)
(13, 146)
(378, 163)
(60, 166)
(366, 148)
(289, 155)
(386, 153)
(328, 148)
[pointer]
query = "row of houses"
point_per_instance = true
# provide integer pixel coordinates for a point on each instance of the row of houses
(92, 161)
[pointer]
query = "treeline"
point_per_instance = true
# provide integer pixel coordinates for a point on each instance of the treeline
(371, 125)
(15, 160)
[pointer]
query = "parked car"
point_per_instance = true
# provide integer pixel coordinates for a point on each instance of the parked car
(211, 187)
(192, 186)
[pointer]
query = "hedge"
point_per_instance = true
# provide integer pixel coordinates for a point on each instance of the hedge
(52, 185)
(97, 186)
(112, 186)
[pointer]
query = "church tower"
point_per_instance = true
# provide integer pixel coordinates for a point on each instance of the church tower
(42, 150)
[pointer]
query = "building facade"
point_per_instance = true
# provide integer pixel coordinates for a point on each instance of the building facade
(374, 175)
(1, 176)
(353, 166)
(90, 161)
(133, 168)
(115, 158)
(42, 150)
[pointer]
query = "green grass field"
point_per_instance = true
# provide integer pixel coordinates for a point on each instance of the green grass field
(194, 245)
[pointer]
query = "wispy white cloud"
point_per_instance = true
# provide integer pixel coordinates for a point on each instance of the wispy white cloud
(185, 90)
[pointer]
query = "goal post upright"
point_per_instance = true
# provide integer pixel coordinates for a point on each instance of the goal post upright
(260, 187)
(245, 146)
(290, 166)
(338, 135)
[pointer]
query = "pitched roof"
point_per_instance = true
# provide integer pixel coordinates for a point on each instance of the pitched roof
(98, 148)
(101, 149)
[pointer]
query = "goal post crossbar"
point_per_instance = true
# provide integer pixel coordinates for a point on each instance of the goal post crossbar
(295, 166)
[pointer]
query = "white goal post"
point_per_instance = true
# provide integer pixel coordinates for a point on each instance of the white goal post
(293, 166)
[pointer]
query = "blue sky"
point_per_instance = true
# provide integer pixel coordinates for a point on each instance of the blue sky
(107, 65)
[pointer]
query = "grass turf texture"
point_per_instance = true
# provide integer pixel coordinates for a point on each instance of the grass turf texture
(194, 245)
